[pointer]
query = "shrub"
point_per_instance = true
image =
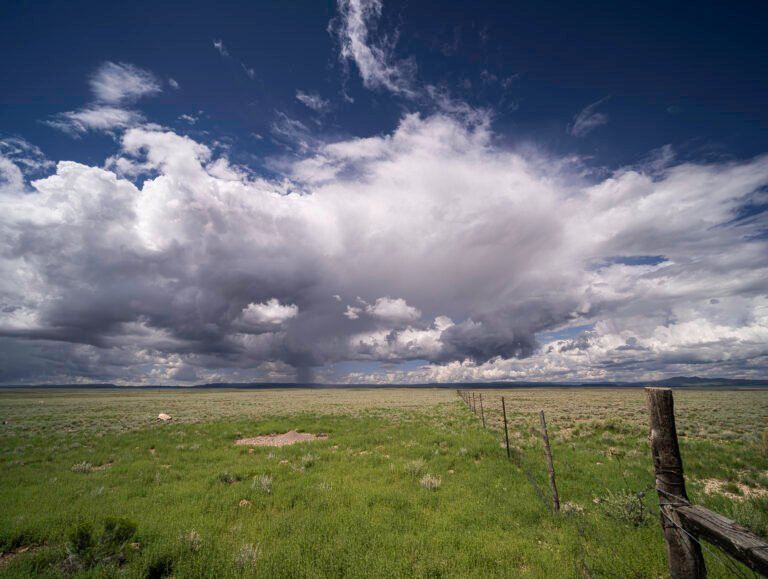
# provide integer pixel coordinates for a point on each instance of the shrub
(247, 556)
(228, 478)
(82, 467)
(415, 467)
(85, 551)
(308, 460)
(626, 506)
(191, 541)
(571, 508)
(263, 483)
(431, 483)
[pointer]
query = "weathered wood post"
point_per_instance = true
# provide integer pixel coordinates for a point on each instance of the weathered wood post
(550, 464)
(482, 412)
(506, 432)
(683, 552)
(474, 405)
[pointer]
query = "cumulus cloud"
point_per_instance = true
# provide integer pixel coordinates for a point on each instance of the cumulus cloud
(271, 313)
(462, 253)
(372, 54)
(393, 310)
(588, 119)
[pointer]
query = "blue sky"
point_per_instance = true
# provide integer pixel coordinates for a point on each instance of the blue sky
(382, 191)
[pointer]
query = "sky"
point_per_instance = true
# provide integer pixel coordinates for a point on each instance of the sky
(371, 191)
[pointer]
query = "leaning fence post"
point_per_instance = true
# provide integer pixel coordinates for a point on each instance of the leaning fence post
(482, 412)
(683, 550)
(506, 432)
(550, 464)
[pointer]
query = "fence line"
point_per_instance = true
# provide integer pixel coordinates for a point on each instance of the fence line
(684, 525)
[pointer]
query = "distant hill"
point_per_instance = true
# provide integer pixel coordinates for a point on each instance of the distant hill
(676, 382)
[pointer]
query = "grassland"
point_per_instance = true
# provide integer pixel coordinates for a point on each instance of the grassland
(408, 483)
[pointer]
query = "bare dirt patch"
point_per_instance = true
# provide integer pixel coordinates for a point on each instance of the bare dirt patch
(285, 439)
(715, 486)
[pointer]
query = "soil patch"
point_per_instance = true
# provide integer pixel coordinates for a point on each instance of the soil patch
(286, 439)
(715, 486)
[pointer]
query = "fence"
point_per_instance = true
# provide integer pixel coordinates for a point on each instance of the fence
(684, 525)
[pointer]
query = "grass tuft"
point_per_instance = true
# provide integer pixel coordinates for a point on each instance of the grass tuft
(430, 482)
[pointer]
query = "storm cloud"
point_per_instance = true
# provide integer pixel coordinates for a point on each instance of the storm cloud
(432, 243)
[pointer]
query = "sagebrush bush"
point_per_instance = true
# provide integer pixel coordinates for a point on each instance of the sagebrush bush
(248, 555)
(192, 541)
(415, 467)
(626, 506)
(263, 483)
(85, 550)
(430, 482)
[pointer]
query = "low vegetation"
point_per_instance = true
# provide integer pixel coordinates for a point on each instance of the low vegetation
(406, 483)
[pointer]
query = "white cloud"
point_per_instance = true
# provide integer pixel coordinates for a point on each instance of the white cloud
(28, 157)
(393, 310)
(11, 177)
(271, 312)
(95, 118)
(493, 245)
(173, 83)
(375, 61)
(352, 312)
(114, 86)
(116, 83)
(313, 101)
(219, 46)
(588, 119)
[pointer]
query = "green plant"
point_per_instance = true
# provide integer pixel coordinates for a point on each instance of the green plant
(626, 506)
(416, 467)
(85, 550)
(228, 478)
(430, 482)
(263, 483)
(753, 514)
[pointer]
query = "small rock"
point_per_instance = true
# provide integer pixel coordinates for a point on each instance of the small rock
(283, 462)
(164, 417)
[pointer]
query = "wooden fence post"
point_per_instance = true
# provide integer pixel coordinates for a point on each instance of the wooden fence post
(482, 412)
(506, 432)
(683, 551)
(550, 464)
(474, 405)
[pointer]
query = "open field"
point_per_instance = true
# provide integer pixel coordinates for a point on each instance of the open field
(407, 483)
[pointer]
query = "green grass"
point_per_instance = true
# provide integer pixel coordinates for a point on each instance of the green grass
(364, 501)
